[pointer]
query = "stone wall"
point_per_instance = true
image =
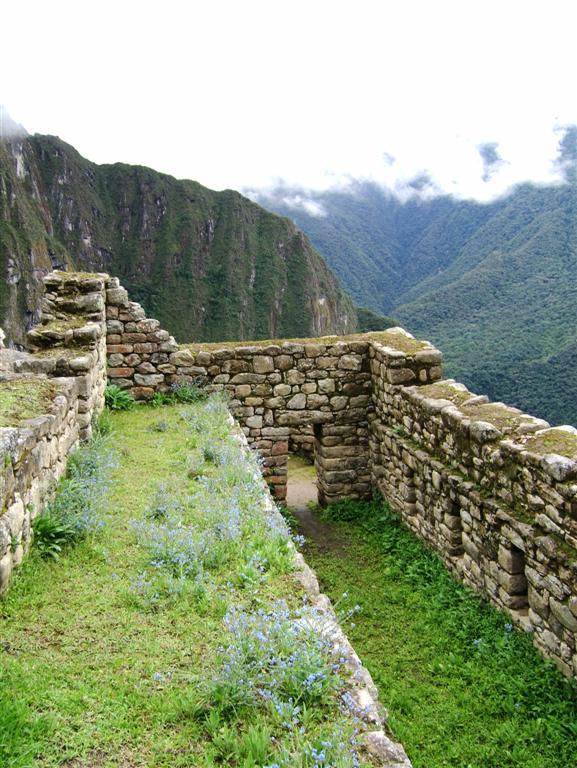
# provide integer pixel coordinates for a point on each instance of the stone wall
(33, 456)
(493, 490)
(67, 367)
(71, 340)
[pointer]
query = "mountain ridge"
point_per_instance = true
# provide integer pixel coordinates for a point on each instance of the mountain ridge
(210, 265)
(494, 285)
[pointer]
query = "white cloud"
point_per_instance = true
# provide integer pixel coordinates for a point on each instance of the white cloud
(243, 94)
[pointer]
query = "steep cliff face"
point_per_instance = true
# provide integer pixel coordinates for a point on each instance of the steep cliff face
(28, 249)
(210, 265)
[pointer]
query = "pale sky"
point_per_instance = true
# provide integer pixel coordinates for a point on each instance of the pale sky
(245, 93)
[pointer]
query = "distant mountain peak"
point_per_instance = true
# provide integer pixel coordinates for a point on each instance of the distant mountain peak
(9, 128)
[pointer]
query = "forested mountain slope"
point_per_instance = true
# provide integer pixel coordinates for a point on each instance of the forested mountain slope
(209, 265)
(493, 285)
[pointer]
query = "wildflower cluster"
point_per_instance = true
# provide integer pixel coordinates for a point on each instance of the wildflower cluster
(277, 662)
(221, 541)
(275, 657)
(219, 521)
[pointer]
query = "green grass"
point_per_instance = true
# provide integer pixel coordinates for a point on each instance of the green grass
(98, 670)
(23, 399)
(461, 687)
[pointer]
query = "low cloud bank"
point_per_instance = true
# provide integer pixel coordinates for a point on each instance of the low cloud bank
(481, 172)
(9, 129)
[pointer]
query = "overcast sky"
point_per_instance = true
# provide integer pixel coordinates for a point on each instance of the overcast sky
(243, 94)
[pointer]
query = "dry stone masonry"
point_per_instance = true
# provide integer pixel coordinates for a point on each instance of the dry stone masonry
(67, 366)
(493, 490)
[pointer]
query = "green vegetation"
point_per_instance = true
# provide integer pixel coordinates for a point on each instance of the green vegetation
(442, 391)
(22, 399)
(505, 419)
(372, 321)
(387, 337)
(399, 341)
(553, 441)
(177, 636)
(118, 399)
(209, 265)
(489, 284)
(462, 687)
(75, 513)
(179, 393)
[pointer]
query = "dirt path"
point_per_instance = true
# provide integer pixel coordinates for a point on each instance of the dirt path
(301, 496)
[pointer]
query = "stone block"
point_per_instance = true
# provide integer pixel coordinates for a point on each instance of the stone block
(563, 614)
(295, 377)
(315, 350)
(117, 373)
(297, 402)
(315, 401)
(182, 357)
(263, 364)
(117, 297)
(149, 325)
(148, 380)
(327, 362)
(400, 375)
(158, 337)
(326, 386)
(248, 378)
(284, 362)
(350, 362)
(144, 347)
(5, 571)
(114, 326)
(146, 368)
(121, 349)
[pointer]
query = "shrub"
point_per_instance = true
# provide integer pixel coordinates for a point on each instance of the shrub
(52, 533)
(118, 399)
(188, 393)
(159, 399)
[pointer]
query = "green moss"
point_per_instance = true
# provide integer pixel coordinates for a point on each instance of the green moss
(23, 399)
(502, 417)
(443, 391)
(63, 324)
(554, 441)
(66, 352)
(72, 277)
(397, 340)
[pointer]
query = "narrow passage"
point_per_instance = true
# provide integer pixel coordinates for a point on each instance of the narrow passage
(302, 502)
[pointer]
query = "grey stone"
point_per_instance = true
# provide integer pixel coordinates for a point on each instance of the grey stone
(263, 364)
(297, 402)
(148, 380)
